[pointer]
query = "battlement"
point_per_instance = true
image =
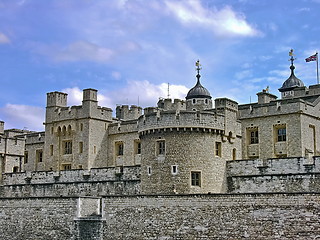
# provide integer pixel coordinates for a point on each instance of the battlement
(284, 106)
(274, 175)
(180, 119)
(124, 113)
(57, 99)
(99, 181)
(166, 104)
(225, 103)
(89, 107)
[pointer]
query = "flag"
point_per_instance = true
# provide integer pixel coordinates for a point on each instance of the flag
(312, 58)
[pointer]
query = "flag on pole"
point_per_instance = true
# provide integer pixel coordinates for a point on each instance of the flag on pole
(313, 57)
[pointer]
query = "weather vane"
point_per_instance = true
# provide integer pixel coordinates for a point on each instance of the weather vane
(291, 55)
(198, 65)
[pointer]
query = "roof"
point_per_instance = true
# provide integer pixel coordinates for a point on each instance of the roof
(292, 82)
(198, 91)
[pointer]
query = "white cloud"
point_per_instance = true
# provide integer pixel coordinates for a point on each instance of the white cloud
(145, 92)
(23, 116)
(221, 22)
(116, 75)
(83, 51)
(4, 39)
(141, 93)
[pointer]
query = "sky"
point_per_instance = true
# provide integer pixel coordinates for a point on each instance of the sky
(132, 50)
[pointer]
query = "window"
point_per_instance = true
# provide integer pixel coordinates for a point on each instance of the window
(174, 169)
(149, 171)
(119, 148)
(66, 166)
(254, 137)
(80, 147)
(161, 147)
(51, 130)
(196, 179)
(94, 149)
(15, 169)
(138, 147)
(81, 126)
(281, 134)
(68, 147)
(39, 155)
(51, 150)
(193, 101)
(26, 156)
(218, 149)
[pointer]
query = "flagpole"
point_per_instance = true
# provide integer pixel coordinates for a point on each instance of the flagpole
(317, 68)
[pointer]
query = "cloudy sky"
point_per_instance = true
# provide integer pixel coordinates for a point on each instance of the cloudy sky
(129, 50)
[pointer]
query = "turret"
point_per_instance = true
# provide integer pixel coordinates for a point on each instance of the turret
(57, 99)
(265, 96)
(291, 83)
(198, 97)
(123, 112)
(89, 101)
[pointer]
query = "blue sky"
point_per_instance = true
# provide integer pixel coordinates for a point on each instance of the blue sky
(129, 50)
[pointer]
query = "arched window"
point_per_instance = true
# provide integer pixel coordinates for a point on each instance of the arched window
(15, 169)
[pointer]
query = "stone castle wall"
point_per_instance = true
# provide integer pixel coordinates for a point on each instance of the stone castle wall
(274, 175)
(221, 216)
(96, 182)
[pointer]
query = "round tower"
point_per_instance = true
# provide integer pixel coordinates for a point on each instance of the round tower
(198, 97)
(181, 152)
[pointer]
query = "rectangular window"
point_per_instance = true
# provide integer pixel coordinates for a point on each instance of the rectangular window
(51, 150)
(68, 147)
(81, 126)
(66, 166)
(196, 179)
(39, 155)
(119, 148)
(137, 147)
(254, 137)
(282, 134)
(161, 147)
(218, 149)
(80, 147)
(26, 156)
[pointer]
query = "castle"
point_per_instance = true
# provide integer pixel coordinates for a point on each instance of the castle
(182, 150)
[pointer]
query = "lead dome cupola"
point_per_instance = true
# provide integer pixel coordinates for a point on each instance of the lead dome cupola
(198, 91)
(292, 82)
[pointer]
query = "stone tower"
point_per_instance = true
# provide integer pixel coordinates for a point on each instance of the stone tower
(184, 151)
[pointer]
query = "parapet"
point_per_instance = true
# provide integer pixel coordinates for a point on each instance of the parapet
(225, 103)
(124, 113)
(265, 97)
(167, 104)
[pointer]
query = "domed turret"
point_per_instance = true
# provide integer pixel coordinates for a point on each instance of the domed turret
(198, 91)
(292, 82)
(198, 97)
